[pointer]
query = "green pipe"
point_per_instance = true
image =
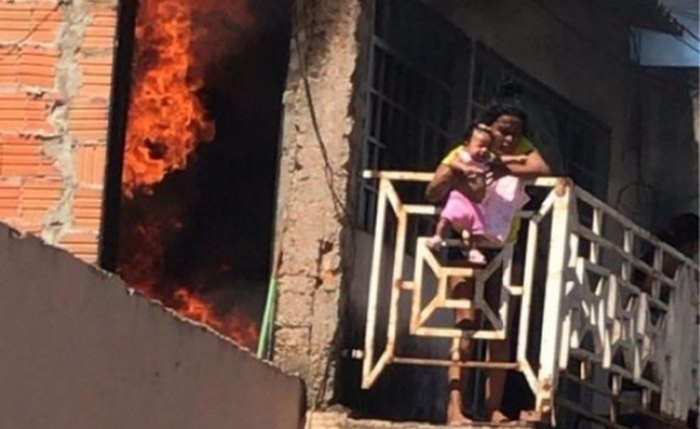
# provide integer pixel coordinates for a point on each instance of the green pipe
(265, 338)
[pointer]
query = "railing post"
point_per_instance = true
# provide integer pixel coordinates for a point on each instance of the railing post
(553, 302)
(373, 293)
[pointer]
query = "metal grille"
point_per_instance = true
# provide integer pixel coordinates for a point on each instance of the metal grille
(411, 95)
(428, 81)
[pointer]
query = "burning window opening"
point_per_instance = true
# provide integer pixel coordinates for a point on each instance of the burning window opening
(188, 219)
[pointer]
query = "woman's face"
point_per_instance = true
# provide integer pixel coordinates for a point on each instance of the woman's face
(510, 129)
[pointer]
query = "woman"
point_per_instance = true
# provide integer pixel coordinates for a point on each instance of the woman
(508, 124)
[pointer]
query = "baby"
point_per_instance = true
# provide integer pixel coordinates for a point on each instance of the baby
(463, 210)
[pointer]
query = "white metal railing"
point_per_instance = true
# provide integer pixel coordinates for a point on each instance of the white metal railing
(594, 311)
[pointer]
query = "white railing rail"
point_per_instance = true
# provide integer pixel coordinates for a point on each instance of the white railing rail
(596, 311)
(640, 328)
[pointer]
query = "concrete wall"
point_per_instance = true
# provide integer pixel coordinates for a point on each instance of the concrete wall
(79, 351)
(55, 80)
(315, 187)
(669, 152)
(580, 51)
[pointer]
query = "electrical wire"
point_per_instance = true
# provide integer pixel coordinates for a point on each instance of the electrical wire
(683, 27)
(686, 43)
(342, 212)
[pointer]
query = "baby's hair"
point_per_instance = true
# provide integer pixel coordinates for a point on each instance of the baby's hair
(476, 126)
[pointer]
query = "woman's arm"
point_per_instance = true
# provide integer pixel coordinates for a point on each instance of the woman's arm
(448, 177)
(440, 185)
(533, 166)
(513, 159)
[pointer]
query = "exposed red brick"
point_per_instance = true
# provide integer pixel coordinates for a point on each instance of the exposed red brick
(82, 244)
(101, 31)
(9, 198)
(23, 156)
(87, 209)
(38, 196)
(96, 75)
(29, 227)
(90, 164)
(9, 66)
(29, 23)
(22, 112)
(88, 119)
(37, 67)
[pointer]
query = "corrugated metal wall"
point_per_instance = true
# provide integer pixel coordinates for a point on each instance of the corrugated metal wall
(55, 80)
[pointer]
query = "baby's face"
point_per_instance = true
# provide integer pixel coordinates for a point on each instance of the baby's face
(479, 145)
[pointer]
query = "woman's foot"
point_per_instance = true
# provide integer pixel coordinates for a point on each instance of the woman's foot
(454, 410)
(455, 417)
(498, 417)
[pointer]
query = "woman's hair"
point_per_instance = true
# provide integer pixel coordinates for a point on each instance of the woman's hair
(682, 230)
(492, 113)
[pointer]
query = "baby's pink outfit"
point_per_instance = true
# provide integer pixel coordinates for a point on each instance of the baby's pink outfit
(492, 217)
(504, 197)
(460, 211)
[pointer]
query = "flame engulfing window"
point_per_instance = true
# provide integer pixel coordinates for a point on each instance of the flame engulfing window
(197, 158)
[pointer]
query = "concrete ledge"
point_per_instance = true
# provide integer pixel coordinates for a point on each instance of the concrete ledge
(340, 420)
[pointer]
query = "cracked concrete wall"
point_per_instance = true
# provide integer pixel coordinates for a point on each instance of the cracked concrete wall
(55, 79)
(316, 170)
(80, 351)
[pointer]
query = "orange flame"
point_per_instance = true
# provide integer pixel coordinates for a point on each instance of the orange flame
(233, 325)
(166, 120)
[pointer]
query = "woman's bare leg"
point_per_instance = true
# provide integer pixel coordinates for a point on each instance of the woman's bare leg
(499, 351)
(461, 289)
(456, 384)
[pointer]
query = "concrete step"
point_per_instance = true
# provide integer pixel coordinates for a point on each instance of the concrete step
(340, 420)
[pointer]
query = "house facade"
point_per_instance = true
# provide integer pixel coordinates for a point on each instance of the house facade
(356, 85)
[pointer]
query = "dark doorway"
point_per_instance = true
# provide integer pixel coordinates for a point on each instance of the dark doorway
(192, 164)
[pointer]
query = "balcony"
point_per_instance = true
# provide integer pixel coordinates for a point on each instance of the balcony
(605, 330)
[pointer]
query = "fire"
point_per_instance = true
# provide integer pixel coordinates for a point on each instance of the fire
(233, 325)
(166, 122)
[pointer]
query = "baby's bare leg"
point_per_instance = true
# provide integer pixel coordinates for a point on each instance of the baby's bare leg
(441, 230)
(442, 227)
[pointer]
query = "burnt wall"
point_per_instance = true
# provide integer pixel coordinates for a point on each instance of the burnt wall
(80, 351)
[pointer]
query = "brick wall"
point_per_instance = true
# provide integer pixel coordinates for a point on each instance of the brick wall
(55, 73)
